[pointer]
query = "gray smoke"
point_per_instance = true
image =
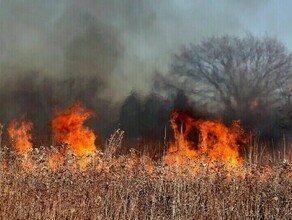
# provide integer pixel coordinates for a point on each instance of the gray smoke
(55, 52)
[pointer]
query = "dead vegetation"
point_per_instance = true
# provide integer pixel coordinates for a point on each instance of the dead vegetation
(135, 187)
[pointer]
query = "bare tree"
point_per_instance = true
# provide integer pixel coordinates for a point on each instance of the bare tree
(233, 75)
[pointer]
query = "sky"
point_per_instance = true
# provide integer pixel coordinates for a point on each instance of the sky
(123, 41)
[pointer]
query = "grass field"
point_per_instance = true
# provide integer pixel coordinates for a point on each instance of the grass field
(133, 186)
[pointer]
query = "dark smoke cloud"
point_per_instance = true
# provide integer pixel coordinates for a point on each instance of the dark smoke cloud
(56, 52)
(42, 68)
(148, 117)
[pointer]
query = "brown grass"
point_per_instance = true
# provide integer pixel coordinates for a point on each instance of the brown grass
(135, 187)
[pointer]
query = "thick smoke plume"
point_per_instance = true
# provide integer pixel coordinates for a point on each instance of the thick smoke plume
(53, 53)
(148, 117)
(54, 58)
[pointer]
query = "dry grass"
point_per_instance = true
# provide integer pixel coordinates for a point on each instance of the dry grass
(134, 187)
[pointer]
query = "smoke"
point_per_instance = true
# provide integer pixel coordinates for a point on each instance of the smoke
(53, 58)
(148, 117)
(55, 52)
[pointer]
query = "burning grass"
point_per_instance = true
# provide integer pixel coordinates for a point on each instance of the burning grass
(197, 178)
(124, 187)
(68, 128)
(216, 141)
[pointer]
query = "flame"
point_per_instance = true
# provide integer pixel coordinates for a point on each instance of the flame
(68, 127)
(254, 104)
(216, 141)
(20, 138)
(180, 151)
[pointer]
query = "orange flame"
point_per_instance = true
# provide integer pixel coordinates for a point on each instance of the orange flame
(20, 137)
(68, 127)
(216, 141)
(254, 104)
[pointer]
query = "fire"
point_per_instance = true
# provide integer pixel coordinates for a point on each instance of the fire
(215, 142)
(20, 138)
(220, 142)
(68, 127)
(254, 104)
(180, 151)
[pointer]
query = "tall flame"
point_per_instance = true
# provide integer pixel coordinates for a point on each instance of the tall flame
(20, 138)
(19, 134)
(68, 127)
(216, 141)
